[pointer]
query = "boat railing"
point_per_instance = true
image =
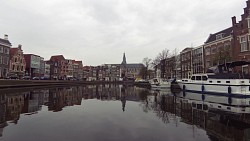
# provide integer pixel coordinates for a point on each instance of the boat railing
(229, 76)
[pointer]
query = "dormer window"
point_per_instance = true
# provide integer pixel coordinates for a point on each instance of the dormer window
(219, 36)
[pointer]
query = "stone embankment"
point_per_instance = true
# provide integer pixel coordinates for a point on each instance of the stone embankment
(35, 83)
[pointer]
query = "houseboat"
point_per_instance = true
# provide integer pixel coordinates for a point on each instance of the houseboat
(219, 80)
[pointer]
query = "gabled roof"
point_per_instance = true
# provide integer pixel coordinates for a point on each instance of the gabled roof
(5, 42)
(57, 57)
(226, 32)
(186, 49)
(13, 51)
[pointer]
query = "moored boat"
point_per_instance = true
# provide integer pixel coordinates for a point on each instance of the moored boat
(219, 81)
(160, 83)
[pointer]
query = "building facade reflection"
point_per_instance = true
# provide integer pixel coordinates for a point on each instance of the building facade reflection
(221, 120)
(220, 124)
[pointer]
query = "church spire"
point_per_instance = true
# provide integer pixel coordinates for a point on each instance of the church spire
(124, 62)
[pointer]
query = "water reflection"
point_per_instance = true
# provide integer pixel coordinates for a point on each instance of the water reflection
(219, 117)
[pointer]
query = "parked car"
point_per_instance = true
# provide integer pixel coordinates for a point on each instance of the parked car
(35, 78)
(26, 78)
(13, 77)
(45, 78)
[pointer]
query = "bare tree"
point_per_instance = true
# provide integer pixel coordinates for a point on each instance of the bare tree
(144, 71)
(164, 54)
(146, 61)
(174, 63)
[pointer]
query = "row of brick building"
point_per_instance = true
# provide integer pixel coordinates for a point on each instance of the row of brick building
(227, 45)
(113, 72)
(14, 63)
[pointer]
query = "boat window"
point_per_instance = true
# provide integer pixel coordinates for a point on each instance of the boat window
(199, 106)
(219, 106)
(204, 78)
(242, 81)
(186, 80)
(218, 81)
(182, 80)
(229, 108)
(193, 78)
(205, 107)
(227, 81)
(210, 81)
(198, 77)
(193, 105)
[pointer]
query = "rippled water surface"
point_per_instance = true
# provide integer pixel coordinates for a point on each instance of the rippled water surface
(114, 112)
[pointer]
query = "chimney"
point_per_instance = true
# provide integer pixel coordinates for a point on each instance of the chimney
(5, 37)
(233, 20)
(248, 3)
(20, 46)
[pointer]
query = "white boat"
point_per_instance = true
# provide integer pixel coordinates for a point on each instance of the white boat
(219, 83)
(159, 83)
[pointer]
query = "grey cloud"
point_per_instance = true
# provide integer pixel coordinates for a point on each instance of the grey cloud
(99, 31)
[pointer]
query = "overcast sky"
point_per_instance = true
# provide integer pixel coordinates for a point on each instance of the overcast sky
(99, 31)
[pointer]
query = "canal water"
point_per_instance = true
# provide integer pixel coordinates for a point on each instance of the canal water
(119, 112)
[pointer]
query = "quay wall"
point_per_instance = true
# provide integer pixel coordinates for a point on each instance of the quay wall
(34, 83)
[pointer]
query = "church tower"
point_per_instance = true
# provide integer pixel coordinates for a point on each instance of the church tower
(123, 66)
(124, 62)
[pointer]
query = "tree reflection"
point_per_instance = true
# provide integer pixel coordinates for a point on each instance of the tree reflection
(168, 107)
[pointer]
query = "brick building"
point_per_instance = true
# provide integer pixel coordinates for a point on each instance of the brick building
(218, 48)
(186, 62)
(170, 66)
(197, 60)
(58, 67)
(4, 56)
(77, 69)
(17, 62)
(241, 38)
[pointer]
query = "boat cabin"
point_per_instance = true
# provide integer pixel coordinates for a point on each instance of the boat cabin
(226, 71)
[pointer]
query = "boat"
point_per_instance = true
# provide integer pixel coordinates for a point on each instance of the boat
(219, 80)
(159, 83)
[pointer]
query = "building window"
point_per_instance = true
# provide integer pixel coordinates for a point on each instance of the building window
(219, 36)
(13, 67)
(208, 63)
(245, 69)
(243, 43)
(248, 23)
(6, 51)
(22, 68)
(7, 60)
(1, 60)
(1, 49)
(213, 51)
